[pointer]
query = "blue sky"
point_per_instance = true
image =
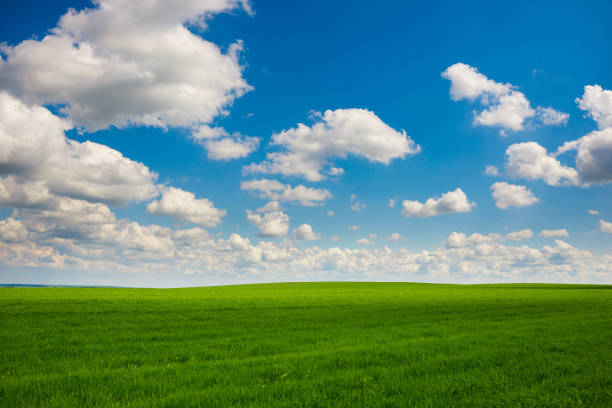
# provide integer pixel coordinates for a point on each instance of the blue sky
(115, 76)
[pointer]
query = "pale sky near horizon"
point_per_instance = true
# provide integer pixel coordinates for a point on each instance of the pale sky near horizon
(180, 143)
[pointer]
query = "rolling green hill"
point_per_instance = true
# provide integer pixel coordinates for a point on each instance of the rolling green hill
(307, 344)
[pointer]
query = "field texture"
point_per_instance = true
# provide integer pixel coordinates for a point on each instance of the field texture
(312, 344)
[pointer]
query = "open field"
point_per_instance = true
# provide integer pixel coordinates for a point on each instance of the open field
(307, 344)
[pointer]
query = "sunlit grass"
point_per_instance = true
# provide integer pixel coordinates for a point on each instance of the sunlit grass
(307, 344)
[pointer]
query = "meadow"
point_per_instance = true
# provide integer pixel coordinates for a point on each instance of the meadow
(308, 344)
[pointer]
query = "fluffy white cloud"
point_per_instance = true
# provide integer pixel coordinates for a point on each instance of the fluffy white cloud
(512, 195)
(503, 105)
(307, 150)
(271, 221)
(550, 116)
(275, 190)
(305, 233)
(123, 63)
(183, 206)
(451, 202)
(554, 233)
(598, 103)
(520, 235)
(510, 112)
(593, 157)
(605, 226)
(531, 161)
(223, 146)
(12, 230)
(35, 148)
(132, 248)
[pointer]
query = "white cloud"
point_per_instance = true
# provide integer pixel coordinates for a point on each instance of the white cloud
(512, 195)
(502, 105)
(520, 235)
(510, 112)
(598, 103)
(391, 202)
(270, 207)
(35, 148)
(531, 161)
(335, 238)
(183, 206)
(272, 222)
(605, 226)
(307, 150)
(491, 170)
(451, 202)
(554, 233)
(275, 190)
(550, 116)
(129, 63)
(305, 233)
(593, 157)
(593, 212)
(365, 242)
(330, 213)
(353, 227)
(223, 146)
(12, 230)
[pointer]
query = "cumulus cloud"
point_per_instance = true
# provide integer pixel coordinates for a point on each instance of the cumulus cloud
(605, 226)
(531, 161)
(451, 202)
(269, 220)
(502, 105)
(275, 190)
(520, 235)
(511, 195)
(598, 104)
(550, 116)
(593, 156)
(223, 146)
(129, 247)
(183, 206)
(554, 233)
(133, 63)
(35, 148)
(307, 151)
(305, 233)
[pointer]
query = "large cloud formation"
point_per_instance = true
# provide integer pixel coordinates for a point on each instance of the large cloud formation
(504, 106)
(35, 148)
(307, 150)
(133, 62)
(593, 151)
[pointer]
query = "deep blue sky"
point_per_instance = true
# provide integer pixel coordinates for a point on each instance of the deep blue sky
(386, 57)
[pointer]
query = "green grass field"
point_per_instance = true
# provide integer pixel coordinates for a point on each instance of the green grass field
(307, 344)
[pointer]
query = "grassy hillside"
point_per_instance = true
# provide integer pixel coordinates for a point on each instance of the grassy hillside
(307, 344)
